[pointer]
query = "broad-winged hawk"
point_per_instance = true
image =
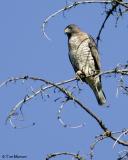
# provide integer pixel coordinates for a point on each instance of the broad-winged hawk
(84, 58)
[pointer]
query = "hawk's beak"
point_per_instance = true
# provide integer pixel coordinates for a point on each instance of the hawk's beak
(66, 31)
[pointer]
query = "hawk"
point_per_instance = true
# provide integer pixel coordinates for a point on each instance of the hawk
(84, 57)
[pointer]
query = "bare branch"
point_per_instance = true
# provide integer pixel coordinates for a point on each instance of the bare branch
(93, 145)
(122, 134)
(105, 20)
(85, 108)
(26, 77)
(62, 122)
(122, 3)
(13, 79)
(121, 69)
(53, 155)
(67, 8)
(35, 93)
(123, 155)
(68, 95)
(114, 3)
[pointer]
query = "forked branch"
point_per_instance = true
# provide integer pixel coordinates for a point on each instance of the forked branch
(69, 97)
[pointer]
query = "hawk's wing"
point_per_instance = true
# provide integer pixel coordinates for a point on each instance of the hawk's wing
(94, 52)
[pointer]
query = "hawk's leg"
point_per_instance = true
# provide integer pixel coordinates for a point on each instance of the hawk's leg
(80, 75)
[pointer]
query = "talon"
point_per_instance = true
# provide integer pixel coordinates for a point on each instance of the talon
(80, 75)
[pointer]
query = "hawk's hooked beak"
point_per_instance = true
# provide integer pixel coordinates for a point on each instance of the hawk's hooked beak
(67, 30)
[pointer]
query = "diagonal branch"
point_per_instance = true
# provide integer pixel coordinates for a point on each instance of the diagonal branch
(63, 90)
(105, 20)
(70, 96)
(122, 69)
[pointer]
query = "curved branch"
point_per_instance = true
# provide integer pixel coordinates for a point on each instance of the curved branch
(53, 155)
(26, 77)
(122, 134)
(67, 8)
(68, 95)
(27, 98)
(62, 122)
(63, 90)
(35, 93)
(74, 4)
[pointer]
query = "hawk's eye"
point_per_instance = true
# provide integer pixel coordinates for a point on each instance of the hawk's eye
(70, 27)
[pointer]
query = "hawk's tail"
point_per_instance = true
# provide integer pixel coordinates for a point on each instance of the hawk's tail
(99, 93)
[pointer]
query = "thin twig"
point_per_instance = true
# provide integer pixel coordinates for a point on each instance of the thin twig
(93, 145)
(62, 122)
(123, 133)
(124, 4)
(26, 77)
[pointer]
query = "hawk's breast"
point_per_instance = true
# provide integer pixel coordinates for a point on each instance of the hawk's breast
(80, 54)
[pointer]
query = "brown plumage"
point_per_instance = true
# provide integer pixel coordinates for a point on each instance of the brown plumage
(84, 58)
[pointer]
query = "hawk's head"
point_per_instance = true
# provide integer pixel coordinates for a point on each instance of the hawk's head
(71, 29)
